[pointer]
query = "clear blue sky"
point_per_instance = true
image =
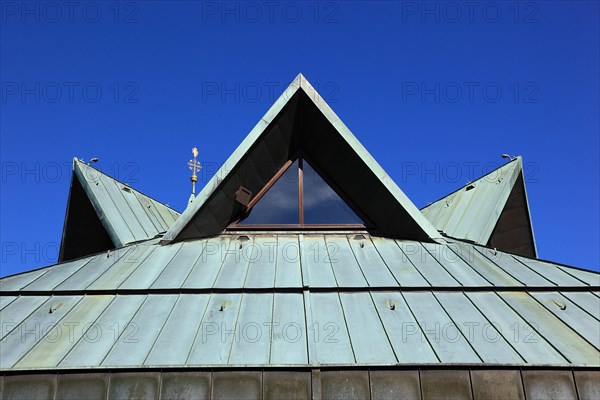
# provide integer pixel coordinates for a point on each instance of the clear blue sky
(436, 94)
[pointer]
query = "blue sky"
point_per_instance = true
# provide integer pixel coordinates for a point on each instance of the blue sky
(436, 91)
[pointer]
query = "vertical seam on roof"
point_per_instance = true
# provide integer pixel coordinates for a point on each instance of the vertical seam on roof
(146, 210)
(34, 279)
(124, 329)
(423, 335)
(249, 261)
(440, 264)
(163, 267)
(339, 299)
(49, 330)
(531, 325)
(499, 332)
(311, 348)
(387, 335)
(562, 321)
(10, 302)
(457, 326)
(531, 269)
(199, 329)
(27, 316)
(83, 334)
(203, 244)
(271, 326)
(499, 266)
(383, 260)
(563, 294)
(116, 208)
(68, 276)
(161, 328)
(470, 266)
(356, 260)
(120, 191)
(235, 325)
(411, 263)
(331, 264)
(304, 275)
(128, 275)
(565, 270)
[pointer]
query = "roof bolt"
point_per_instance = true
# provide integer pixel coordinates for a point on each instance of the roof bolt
(222, 307)
(362, 245)
(561, 304)
(55, 307)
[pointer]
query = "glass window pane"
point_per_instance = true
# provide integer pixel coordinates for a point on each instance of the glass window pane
(280, 204)
(322, 205)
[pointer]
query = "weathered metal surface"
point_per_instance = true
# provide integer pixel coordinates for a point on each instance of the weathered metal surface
(441, 332)
(345, 385)
(516, 331)
(288, 331)
(328, 330)
(572, 315)
(392, 385)
(81, 386)
(564, 338)
(403, 330)
(185, 385)
(497, 385)
(343, 300)
(39, 387)
(588, 384)
(127, 214)
(237, 385)
(446, 384)
(543, 385)
(405, 273)
(315, 384)
(34, 329)
(102, 335)
(370, 343)
(134, 385)
(59, 338)
(473, 211)
(282, 261)
(133, 345)
(179, 331)
(286, 385)
(479, 332)
(278, 134)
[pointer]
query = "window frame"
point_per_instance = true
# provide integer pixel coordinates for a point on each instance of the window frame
(301, 158)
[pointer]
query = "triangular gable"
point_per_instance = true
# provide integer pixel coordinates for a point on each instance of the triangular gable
(492, 211)
(301, 120)
(103, 213)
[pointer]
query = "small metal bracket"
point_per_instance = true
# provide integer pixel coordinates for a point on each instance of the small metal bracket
(243, 196)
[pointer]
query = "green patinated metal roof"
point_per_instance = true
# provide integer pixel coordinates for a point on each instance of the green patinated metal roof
(493, 211)
(300, 120)
(103, 213)
(396, 295)
(373, 301)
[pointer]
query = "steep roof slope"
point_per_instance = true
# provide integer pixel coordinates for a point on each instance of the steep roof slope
(493, 211)
(301, 121)
(103, 213)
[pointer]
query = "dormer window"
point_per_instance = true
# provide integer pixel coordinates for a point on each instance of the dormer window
(299, 196)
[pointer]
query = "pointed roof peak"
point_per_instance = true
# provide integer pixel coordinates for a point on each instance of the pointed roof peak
(301, 121)
(104, 213)
(492, 210)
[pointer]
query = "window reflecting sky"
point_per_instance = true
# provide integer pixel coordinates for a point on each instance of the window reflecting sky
(280, 204)
(322, 205)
